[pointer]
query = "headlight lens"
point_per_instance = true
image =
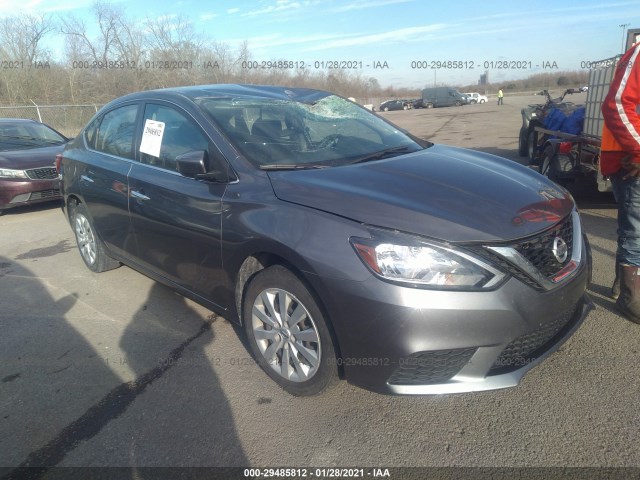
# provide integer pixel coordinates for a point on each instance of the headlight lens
(427, 265)
(8, 173)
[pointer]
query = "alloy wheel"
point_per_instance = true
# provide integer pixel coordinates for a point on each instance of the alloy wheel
(86, 239)
(286, 335)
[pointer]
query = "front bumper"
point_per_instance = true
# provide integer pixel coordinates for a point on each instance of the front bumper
(402, 340)
(14, 193)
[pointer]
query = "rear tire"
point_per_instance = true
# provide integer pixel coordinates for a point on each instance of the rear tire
(287, 332)
(92, 249)
(549, 164)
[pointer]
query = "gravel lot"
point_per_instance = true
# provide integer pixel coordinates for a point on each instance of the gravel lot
(116, 370)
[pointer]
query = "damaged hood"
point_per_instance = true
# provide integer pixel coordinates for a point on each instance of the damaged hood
(446, 193)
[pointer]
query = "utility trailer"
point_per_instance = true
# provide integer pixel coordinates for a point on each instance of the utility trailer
(567, 157)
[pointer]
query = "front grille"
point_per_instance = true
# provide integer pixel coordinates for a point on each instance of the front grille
(510, 268)
(42, 194)
(538, 250)
(424, 368)
(526, 348)
(44, 173)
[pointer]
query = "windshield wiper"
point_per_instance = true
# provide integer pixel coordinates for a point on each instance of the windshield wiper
(19, 137)
(383, 153)
(291, 167)
(46, 141)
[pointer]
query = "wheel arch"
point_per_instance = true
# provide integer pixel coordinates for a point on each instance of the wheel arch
(258, 261)
(72, 202)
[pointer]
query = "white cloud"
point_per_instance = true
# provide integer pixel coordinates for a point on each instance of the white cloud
(362, 4)
(280, 6)
(36, 7)
(204, 17)
(279, 40)
(394, 36)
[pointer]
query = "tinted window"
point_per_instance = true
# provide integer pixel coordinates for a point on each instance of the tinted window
(115, 134)
(180, 135)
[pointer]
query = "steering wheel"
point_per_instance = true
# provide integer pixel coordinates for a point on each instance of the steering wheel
(330, 141)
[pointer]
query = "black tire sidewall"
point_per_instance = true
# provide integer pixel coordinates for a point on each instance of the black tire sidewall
(523, 145)
(280, 277)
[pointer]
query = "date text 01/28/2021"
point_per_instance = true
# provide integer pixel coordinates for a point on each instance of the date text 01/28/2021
(333, 472)
(485, 65)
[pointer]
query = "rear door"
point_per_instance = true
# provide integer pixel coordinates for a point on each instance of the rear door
(176, 220)
(102, 175)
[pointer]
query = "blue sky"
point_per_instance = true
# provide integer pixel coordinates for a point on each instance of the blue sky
(398, 32)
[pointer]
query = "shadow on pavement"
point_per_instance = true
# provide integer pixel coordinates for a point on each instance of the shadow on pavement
(61, 403)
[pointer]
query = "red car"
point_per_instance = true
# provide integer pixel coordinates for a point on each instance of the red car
(27, 154)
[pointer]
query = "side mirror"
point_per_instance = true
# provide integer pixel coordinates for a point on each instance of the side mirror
(193, 163)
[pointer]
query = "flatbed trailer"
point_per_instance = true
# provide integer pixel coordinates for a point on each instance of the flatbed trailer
(564, 157)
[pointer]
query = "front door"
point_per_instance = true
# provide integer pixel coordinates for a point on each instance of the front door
(176, 220)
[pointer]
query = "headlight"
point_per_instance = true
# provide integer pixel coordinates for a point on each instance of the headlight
(424, 264)
(8, 173)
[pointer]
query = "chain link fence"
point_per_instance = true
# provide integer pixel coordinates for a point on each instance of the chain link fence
(67, 119)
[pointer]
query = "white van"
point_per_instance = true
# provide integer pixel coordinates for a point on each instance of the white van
(476, 97)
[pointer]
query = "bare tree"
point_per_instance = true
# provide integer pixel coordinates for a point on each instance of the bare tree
(173, 35)
(107, 46)
(21, 37)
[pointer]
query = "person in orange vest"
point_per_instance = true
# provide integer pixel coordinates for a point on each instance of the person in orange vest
(620, 161)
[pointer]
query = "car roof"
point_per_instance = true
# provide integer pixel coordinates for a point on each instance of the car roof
(305, 95)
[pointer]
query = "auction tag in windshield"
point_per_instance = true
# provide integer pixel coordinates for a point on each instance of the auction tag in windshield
(152, 138)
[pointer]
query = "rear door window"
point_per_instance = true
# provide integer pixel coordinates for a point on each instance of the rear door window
(114, 132)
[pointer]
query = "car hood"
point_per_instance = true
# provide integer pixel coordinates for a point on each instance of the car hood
(446, 193)
(30, 158)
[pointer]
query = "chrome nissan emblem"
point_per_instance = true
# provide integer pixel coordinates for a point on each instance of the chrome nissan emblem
(560, 249)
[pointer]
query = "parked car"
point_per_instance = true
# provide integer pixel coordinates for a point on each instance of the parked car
(27, 155)
(417, 103)
(475, 97)
(394, 105)
(341, 244)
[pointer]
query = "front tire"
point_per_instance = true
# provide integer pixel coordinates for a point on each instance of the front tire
(532, 148)
(91, 248)
(287, 332)
(523, 145)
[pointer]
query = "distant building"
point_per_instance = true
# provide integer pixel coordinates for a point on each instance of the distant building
(484, 78)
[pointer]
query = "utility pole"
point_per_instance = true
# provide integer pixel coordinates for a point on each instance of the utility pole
(624, 30)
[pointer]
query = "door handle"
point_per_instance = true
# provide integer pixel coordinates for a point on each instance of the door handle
(139, 196)
(84, 178)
